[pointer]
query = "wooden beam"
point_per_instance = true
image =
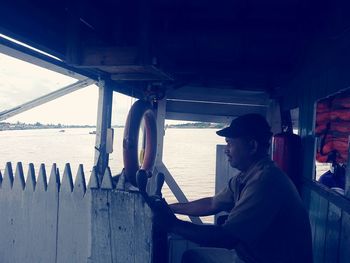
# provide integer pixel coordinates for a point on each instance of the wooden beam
(108, 56)
(46, 98)
(137, 73)
(104, 117)
(21, 52)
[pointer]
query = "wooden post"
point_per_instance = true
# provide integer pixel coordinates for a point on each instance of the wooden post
(161, 111)
(273, 116)
(307, 122)
(104, 116)
(160, 115)
(347, 173)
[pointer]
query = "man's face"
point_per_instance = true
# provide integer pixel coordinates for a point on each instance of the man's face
(239, 152)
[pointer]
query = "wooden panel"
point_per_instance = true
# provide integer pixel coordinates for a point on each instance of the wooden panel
(122, 222)
(121, 226)
(330, 228)
(73, 220)
(23, 253)
(142, 231)
(314, 201)
(344, 251)
(318, 219)
(320, 231)
(43, 217)
(53, 222)
(332, 196)
(19, 219)
(100, 246)
(333, 233)
(7, 222)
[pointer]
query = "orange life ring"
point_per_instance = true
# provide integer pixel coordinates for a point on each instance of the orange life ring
(139, 110)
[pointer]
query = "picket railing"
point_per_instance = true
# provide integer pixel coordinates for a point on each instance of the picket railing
(46, 219)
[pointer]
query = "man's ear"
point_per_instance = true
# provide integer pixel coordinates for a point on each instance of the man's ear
(253, 146)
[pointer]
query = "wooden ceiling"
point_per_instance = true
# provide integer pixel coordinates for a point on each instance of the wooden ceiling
(225, 44)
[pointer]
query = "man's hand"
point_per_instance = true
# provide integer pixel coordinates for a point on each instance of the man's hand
(163, 216)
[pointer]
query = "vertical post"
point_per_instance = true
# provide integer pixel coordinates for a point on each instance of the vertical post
(104, 116)
(347, 173)
(307, 122)
(273, 116)
(161, 110)
(160, 115)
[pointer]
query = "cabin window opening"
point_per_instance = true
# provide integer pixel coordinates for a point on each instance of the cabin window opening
(120, 107)
(295, 120)
(53, 132)
(332, 130)
(190, 155)
(22, 82)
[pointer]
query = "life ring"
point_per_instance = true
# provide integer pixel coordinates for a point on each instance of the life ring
(140, 110)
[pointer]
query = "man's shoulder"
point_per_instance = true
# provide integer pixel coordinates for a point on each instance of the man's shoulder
(266, 169)
(270, 176)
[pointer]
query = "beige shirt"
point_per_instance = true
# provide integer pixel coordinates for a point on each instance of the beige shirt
(267, 216)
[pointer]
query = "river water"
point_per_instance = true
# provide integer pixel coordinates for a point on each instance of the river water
(189, 154)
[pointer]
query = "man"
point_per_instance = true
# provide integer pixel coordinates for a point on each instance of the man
(267, 221)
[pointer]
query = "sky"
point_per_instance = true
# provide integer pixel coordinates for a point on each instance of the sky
(22, 82)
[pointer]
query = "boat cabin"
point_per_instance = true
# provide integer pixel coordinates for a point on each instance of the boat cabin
(200, 61)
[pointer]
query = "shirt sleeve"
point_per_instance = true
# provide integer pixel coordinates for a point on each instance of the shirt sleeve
(256, 209)
(225, 198)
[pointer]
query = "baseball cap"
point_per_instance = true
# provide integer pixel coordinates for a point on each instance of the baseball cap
(250, 125)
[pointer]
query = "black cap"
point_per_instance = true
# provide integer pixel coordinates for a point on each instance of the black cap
(249, 125)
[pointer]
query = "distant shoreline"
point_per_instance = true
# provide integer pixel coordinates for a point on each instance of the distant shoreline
(195, 125)
(6, 126)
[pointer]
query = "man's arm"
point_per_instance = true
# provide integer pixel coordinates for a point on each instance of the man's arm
(205, 235)
(201, 207)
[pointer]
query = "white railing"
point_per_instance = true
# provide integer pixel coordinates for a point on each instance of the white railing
(52, 220)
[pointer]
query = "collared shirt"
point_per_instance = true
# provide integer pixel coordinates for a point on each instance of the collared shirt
(267, 216)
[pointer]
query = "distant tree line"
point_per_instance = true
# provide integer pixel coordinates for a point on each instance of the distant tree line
(29, 126)
(196, 125)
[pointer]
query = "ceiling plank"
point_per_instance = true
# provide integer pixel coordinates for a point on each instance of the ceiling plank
(220, 94)
(212, 109)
